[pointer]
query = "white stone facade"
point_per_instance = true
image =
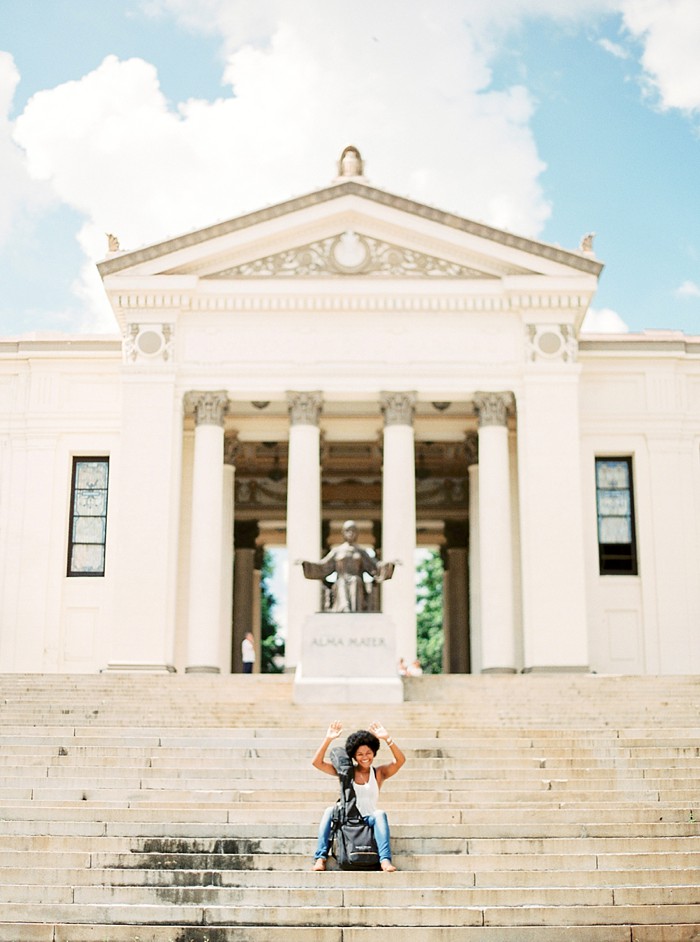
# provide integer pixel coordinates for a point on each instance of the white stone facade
(351, 322)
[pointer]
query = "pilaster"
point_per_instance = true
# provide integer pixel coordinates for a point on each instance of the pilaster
(144, 531)
(555, 631)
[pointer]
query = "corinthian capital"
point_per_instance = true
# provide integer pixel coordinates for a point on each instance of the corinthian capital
(398, 407)
(304, 407)
(209, 408)
(492, 407)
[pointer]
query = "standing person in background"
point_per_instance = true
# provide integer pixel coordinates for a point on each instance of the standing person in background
(248, 653)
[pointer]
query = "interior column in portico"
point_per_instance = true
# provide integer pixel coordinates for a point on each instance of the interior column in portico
(231, 449)
(456, 554)
(399, 517)
(204, 624)
(258, 560)
(303, 514)
(495, 534)
(245, 534)
(474, 564)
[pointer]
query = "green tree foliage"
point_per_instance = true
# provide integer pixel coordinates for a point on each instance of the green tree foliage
(429, 611)
(272, 645)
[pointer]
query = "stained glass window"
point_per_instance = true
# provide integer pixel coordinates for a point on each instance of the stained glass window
(617, 551)
(88, 517)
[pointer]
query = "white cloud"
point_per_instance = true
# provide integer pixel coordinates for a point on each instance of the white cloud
(113, 149)
(19, 194)
(615, 49)
(670, 33)
(603, 321)
(689, 289)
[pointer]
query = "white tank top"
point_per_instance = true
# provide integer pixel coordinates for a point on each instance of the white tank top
(367, 795)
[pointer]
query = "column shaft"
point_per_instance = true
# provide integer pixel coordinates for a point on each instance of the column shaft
(474, 571)
(399, 518)
(303, 515)
(203, 639)
(495, 537)
(227, 524)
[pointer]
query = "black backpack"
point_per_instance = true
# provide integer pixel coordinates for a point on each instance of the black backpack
(354, 846)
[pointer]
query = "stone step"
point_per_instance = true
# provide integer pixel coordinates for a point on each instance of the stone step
(235, 777)
(454, 862)
(422, 761)
(264, 787)
(307, 879)
(379, 897)
(190, 818)
(21, 834)
(148, 810)
(374, 916)
(183, 760)
(98, 933)
(459, 798)
(403, 842)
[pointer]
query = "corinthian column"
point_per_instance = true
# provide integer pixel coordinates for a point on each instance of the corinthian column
(399, 517)
(205, 618)
(495, 535)
(303, 514)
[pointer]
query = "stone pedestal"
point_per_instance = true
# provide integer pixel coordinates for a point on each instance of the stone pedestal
(348, 658)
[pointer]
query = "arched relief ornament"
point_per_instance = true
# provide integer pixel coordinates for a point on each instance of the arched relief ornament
(551, 342)
(398, 408)
(257, 493)
(350, 254)
(304, 407)
(208, 408)
(492, 407)
(148, 342)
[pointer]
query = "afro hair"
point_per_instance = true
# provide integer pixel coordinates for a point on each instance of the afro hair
(361, 738)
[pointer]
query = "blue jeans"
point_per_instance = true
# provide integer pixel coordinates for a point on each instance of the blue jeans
(377, 821)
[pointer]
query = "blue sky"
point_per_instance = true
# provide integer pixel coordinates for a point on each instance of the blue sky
(147, 118)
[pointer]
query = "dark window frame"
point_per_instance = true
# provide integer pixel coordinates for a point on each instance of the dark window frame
(71, 572)
(617, 559)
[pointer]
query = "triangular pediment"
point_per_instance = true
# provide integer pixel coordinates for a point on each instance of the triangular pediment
(349, 230)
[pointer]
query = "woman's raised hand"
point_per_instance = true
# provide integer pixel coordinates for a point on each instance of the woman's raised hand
(334, 730)
(378, 730)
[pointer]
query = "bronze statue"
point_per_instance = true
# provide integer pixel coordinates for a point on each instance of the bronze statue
(349, 592)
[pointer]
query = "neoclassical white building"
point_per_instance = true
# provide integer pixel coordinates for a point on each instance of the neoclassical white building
(351, 353)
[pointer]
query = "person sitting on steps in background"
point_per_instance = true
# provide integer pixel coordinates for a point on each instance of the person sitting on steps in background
(361, 747)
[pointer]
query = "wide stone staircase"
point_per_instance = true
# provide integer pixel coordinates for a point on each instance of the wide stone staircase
(184, 809)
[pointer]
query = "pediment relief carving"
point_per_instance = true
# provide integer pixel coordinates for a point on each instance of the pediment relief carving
(350, 253)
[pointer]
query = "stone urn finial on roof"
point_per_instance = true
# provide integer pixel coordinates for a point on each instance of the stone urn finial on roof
(350, 163)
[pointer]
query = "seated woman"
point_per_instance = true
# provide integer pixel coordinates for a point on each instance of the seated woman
(361, 747)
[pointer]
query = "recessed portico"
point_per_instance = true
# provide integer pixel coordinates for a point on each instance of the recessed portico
(366, 458)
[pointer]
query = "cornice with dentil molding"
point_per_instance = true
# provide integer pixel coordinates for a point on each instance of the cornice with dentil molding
(343, 301)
